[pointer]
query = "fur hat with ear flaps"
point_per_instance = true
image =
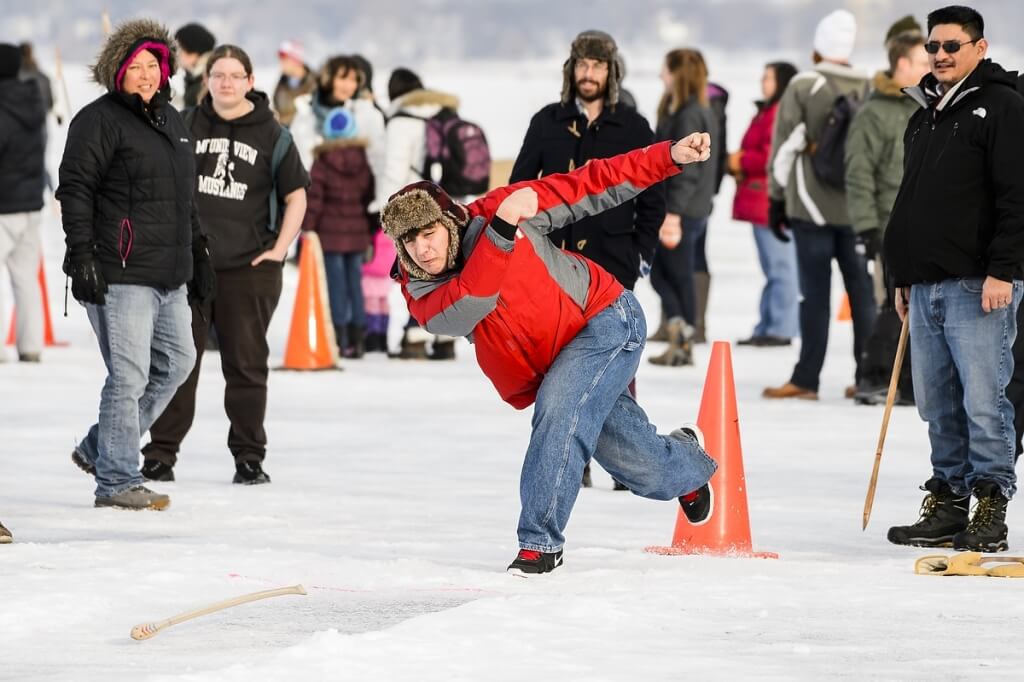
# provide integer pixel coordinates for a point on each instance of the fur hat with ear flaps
(593, 45)
(415, 206)
(124, 43)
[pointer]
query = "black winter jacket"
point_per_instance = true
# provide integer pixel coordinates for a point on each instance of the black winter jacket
(126, 190)
(960, 207)
(559, 141)
(22, 143)
(689, 194)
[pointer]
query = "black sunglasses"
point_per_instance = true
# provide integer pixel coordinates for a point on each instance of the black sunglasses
(950, 46)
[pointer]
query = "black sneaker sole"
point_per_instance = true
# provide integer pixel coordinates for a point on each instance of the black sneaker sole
(255, 481)
(1000, 546)
(923, 542)
(167, 477)
(82, 463)
(524, 573)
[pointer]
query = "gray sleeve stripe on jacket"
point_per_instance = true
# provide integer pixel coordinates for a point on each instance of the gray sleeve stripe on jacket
(461, 317)
(562, 214)
(571, 274)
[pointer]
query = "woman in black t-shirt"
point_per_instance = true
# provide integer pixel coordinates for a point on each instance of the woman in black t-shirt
(235, 134)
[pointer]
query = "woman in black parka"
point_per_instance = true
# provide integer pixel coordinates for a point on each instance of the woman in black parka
(135, 251)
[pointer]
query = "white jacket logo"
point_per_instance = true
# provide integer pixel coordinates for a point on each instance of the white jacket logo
(222, 183)
(980, 112)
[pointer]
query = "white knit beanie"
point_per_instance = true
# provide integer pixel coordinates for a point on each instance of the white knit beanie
(835, 36)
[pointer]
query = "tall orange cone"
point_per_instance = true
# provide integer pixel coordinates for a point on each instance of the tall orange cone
(727, 532)
(311, 340)
(844, 314)
(48, 339)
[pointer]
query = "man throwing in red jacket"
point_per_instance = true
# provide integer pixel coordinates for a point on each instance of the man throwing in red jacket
(553, 328)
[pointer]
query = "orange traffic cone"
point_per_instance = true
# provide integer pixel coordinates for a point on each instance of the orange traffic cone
(311, 340)
(844, 314)
(727, 531)
(48, 339)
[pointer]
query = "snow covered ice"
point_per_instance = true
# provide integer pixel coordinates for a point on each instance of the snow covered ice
(395, 499)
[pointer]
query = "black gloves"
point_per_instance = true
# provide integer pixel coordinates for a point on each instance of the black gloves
(204, 281)
(87, 283)
(869, 243)
(777, 219)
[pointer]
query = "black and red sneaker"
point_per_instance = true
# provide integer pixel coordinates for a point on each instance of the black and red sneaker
(531, 562)
(698, 504)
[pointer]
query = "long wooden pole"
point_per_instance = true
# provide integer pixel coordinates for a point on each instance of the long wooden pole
(897, 365)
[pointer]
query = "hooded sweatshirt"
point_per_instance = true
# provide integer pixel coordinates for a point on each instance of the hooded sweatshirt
(22, 130)
(233, 179)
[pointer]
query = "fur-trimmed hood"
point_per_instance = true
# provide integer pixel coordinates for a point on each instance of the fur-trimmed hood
(418, 205)
(424, 98)
(331, 145)
(120, 44)
(884, 85)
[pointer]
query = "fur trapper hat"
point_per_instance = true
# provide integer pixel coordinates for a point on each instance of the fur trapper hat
(593, 45)
(416, 206)
(124, 43)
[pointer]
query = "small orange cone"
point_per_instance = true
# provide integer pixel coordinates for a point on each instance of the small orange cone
(844, 314)
(727, 532)
(311, 340)
(48, 339)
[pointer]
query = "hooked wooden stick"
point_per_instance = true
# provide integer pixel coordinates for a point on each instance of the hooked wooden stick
(147, 630)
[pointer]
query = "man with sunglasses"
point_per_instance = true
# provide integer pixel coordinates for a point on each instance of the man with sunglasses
(954, 248)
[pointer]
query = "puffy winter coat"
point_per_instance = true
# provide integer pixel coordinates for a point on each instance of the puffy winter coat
(521, 301)
(22, 146)
(405, 139)
(126, 190)
(751, 201)
(341, 190)
(285, 94)
(689, 194)
(960, 209)
(559, 140)
(874, 154)
(307, 126)
(383, 256)
(803, 112)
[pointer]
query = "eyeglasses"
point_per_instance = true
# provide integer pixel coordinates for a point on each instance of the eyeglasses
(950, 46)
(236, 77)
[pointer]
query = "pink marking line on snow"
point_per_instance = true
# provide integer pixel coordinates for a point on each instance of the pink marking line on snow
(329, 588)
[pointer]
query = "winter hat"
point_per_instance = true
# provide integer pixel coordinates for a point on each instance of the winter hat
(339, 124)
(418, 205)
(125, 43)
(907, 24)
(10, 60)
(592, 45)
(195, 38)
(835, 36)
(292, 49)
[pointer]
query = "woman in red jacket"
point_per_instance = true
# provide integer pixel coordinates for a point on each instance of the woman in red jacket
(780, 305)
(552, 327)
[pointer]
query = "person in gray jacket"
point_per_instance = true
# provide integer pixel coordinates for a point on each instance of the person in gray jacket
(683, 110)
(814, 210)
(874, 170)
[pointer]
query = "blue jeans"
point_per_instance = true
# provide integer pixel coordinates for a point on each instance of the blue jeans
(584, 410)
(145, 337)
(780, 297)
(345, 288)
(816, 247)
(962, 364)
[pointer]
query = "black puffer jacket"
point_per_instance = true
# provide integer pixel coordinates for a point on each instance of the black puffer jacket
(22, 131)
(127, 178)
(559, 141)
(960, 207)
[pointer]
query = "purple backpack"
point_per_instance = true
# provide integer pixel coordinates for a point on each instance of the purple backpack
(460, 148)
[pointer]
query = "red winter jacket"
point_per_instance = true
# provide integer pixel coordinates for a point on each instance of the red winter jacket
(522, 301)
(751, 202)
(340, 191)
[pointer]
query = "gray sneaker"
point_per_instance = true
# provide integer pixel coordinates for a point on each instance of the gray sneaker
(5, 536)
(139, 497)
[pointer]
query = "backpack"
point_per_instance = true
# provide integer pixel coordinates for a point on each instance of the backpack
(460, 148)
(281, 145)
(829, 152)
